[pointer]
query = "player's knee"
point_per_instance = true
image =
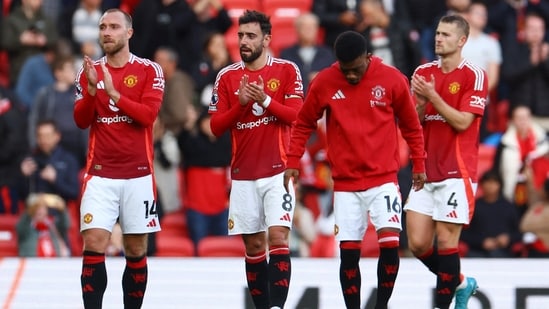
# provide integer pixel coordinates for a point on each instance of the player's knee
(418, 247)
(95, 240)
(255, 243)
(279, 236)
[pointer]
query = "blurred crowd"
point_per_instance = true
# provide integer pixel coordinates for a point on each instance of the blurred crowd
(43, 153)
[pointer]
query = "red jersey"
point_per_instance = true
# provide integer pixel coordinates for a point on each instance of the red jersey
(120, 144)
(452, 154)
(361, 125)
(260, 136)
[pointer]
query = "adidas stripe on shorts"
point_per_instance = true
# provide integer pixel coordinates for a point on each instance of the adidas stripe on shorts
(351, 209)
(451, 200)
(258, 204)
(131, 200)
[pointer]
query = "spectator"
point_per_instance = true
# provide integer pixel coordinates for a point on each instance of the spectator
(507, 19)
(25, 32)
(50, 168)
(336, 16)
(178, 92)
(526, 70)
(309, 56)
(484, 51)
(37, 72)
(451, 7)
(209, 16)
(423, 16)
(534, 222)
(523, 141)
(494, 227)
(166, 166)
(78, 24)
(165, 23)
(481, 48)
(206, 160)
(56, 102)
(42, 229)
(389, 38)
(215, 56)
(13, 147)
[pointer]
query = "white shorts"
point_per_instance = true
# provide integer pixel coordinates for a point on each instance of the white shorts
(258, 204)
(451, 200)
(130, 200)
(351, 209)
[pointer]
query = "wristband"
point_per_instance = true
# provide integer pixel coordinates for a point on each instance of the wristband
(267, 102)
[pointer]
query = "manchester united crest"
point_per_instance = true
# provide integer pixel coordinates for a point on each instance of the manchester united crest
(454, 88)
(130, 81)
(273, 84)
(88, 218)
(336, 229)
(230, 224)
(378, 92)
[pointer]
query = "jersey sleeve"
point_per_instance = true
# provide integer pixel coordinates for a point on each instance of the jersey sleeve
(293, 96)
(306, 122)
(224, 114)
(145, 111)
(408, 122)
(84, 106)
(474, 99)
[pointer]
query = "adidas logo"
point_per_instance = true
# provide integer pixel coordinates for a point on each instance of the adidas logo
(283, 282)
(88, 288)
(452, 214)
(338, 95)
(151, 223)
(394, 219)
(286, 217)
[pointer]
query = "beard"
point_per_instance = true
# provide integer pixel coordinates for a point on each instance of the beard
(253, 56)
(112, 48)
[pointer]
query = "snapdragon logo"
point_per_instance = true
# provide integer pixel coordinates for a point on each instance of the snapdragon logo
(114, 119)
(255, 124)
(436, 117)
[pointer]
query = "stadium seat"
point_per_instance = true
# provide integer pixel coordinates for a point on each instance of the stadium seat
(283, 14)
(486, 154)
(173, 246)
(284, 34)
(288, 8)
(235, 8)
(324, 246)
(8, 235)
(221, 246)
(75, 238)
(174, 223)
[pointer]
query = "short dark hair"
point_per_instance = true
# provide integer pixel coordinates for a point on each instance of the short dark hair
(252, 16)
(48, 122)
(491, 174)
(60, 61)
(457, 20)
(349, 45)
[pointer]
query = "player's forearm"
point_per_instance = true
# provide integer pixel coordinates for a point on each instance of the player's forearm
(221, 122)
(84, 112)
(458, 120)
(144, 112)
(285, 113)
